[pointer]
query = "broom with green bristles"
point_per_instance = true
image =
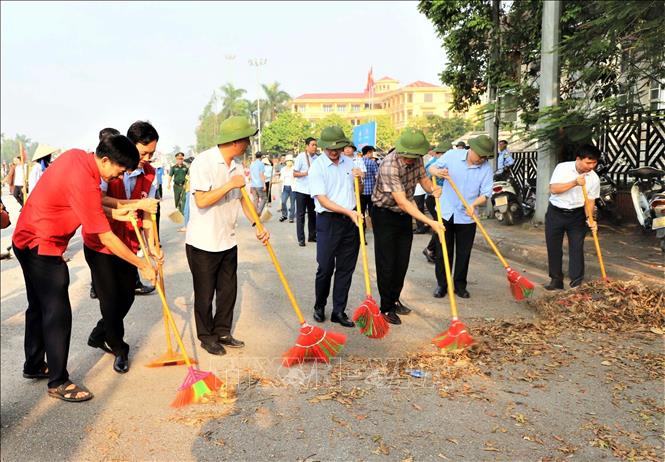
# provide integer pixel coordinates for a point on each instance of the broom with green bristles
(197, 383)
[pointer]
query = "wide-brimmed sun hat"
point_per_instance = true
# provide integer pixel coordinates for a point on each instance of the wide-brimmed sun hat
(42, 151)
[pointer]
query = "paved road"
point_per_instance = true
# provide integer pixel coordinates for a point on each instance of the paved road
(129, 418)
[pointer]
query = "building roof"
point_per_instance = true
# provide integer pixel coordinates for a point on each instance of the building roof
(387, 78)
(333, 96)
(420, 83)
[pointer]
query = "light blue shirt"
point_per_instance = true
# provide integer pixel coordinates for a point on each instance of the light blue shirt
(129, 181)
(472, 181)
(268, 172)
(301, 183)
(503, 160)
(333, 181)
(255, 171)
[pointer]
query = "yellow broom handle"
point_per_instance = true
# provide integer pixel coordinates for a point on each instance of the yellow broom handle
(480, 226)
(280, 273)
(363, 250)
(595, 234)
(446, 263)
(162, 296)
(155, 235)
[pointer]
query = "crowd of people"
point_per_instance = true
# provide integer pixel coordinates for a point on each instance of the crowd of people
(106, 190)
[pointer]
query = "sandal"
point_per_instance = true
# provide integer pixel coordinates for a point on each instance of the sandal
(70, 392)
(41, 374)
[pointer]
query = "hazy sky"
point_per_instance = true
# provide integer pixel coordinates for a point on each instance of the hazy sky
(69, 69)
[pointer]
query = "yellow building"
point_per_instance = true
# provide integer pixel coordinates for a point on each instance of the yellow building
(401, 103)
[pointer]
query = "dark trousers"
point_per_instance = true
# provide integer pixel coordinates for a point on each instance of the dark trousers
(18, 194)
(365, 206)
(289, 195)
(337, 246)
(305, 203)
(430, 203)
(558, 222)
(48, 319)
(114, 281)
(459, 242)
(179, 197)
(268, 191)
(213, 274)
(420, 203)
(392, 249)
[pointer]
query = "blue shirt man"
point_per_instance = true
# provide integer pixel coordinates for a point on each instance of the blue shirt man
(504, 159)
(335, 181)
(256, 169)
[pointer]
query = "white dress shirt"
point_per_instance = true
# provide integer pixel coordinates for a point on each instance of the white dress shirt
(566, 172)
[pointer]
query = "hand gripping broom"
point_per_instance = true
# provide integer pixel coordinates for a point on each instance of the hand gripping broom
(595, 236)
(197, 383)
(313, 343)
(456, 337)
(170, 358)
(520, 286)
(368, 317)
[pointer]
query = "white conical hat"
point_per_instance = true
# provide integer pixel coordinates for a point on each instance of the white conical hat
(43, 150)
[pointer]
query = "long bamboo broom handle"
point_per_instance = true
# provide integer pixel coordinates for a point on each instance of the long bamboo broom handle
(363, 250)
(280, 273)
(155, 234)
(480, 226)
(446, 263)
(595, 235)
(160, 291)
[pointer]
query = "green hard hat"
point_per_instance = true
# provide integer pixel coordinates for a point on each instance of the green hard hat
(235, 128)
(412, 143)
(483, 146)
(442, 147)
(333, 138)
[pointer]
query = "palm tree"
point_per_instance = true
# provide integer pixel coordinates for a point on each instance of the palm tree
(232, 101)
(275, 102)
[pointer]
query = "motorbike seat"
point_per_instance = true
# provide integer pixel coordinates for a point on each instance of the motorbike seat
(646, 173)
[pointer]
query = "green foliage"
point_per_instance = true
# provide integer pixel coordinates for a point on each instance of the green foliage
(333, 119)
(438, 129)
(607, 49)
(10, 147)
(275, 102)
(286, 133)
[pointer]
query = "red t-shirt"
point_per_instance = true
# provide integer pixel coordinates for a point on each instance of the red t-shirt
(66, 197)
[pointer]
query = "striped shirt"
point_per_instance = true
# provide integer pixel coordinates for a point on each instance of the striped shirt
(395, 175)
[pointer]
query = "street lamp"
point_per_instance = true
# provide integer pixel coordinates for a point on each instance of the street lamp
(258, 62)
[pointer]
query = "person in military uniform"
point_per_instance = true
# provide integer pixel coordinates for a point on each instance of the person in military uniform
(178, 175)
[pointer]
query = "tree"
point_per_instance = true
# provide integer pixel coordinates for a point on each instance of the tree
(10, 146)
(208, 127)
(333, 119)
(608, 49)
(275, 102)
(286, 133)
(438, 129)
(232, 102)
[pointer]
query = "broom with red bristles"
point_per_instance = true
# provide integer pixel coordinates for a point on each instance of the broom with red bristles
(456, 337)
(197, 383)
(313, 343)
(367, 316)
(520, 286)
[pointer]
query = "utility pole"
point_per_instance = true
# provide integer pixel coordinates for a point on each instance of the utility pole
(258, 62)
(492, 122)
(549, 96)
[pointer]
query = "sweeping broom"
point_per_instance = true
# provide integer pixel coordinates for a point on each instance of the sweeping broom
(456, 337)
(313, 343)
(197, 383)
(520, 286)
(176, 216)
(170, 358)
(595, 236)
(368, 317)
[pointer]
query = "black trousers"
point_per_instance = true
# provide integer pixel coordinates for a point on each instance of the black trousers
(392, 248)
(305, 203)
(18, 194)
(365, 207)
(269, 192)
(337, 246)
(430, 203)
(420, 203)
(48, 319)
(558, 223)
(114, 280)
(214, 274)
(459, 242)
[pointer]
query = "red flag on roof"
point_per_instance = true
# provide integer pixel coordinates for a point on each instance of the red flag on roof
(22, 153)
(370, 81)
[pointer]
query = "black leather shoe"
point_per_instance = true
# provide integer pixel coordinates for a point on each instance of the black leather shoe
(439, 292)
(463, 293)
(401, 309)
(554, 285)
(392, 318)
(93, 294)
(428, 255)
(143, 289)
(319, 314)
(121, 364)
(301, 243)
(576, 283)
(290, 221)
(101, 345)
(214, 348)
(342, 319)
(231, 342)
(281, 219)
(311, 239)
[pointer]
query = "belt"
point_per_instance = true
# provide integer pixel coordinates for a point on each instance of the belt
(384, 209)
(566, 211)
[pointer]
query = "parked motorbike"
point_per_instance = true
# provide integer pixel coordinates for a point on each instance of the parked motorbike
(606, 204)
(648, 195)
(511, 202)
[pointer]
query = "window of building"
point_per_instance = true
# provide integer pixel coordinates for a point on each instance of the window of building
(428, 113)
(355, 107)
(428, 97)
(409, 98)
(657, 95)
(341, 108)
(410, 113)
(327, 108)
